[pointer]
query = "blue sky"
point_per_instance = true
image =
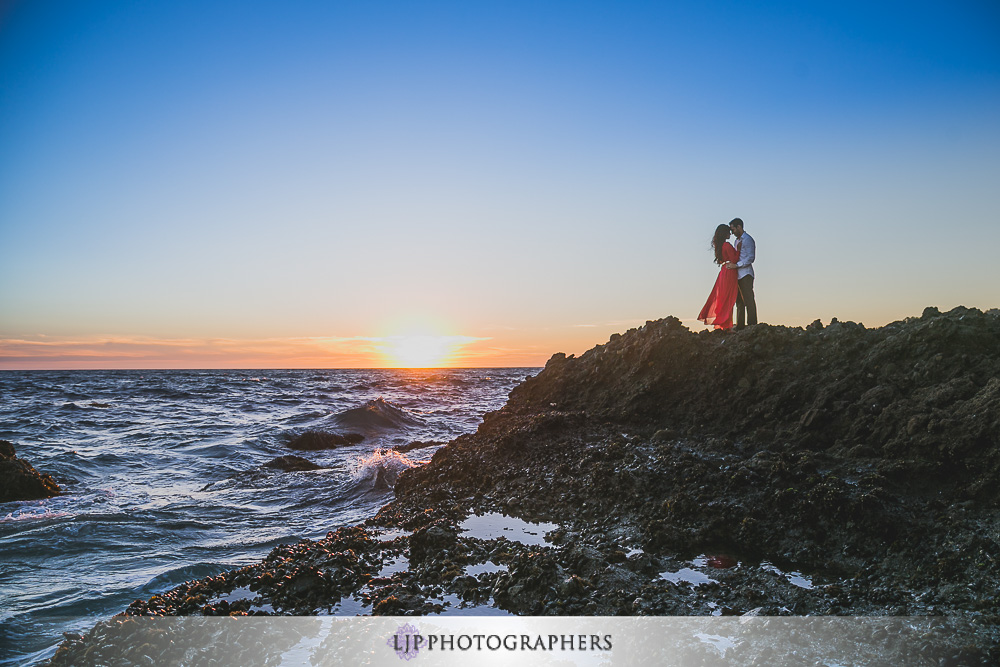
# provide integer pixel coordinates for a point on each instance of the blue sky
(213, 183)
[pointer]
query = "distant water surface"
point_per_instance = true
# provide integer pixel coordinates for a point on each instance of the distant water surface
(163, 478)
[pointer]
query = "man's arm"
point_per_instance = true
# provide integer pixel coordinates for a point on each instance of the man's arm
(748, 252)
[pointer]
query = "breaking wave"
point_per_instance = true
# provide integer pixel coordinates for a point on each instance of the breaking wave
(381, 469)
(377, 414)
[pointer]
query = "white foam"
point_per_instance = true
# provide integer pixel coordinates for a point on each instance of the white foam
(26, 514)
(390, 462)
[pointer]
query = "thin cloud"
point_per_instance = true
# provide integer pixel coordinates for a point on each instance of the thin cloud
(146, 352)
(613, 323)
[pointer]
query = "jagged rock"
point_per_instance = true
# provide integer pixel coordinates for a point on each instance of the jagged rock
(290, 463)
(20, 481)
(431, 541)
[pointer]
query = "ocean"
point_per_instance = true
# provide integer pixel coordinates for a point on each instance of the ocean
(164, 479)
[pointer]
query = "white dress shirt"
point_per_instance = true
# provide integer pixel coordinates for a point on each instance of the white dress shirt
(748, 252)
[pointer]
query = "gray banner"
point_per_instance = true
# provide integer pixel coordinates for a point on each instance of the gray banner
(680, 641)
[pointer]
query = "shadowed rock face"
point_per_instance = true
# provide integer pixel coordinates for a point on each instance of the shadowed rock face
(19, 480)
(922, 393)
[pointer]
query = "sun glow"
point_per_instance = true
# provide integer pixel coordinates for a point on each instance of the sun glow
(421, 351)
(419, 340)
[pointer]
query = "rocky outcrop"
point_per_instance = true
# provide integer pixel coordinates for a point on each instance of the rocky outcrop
(924, 393)
(826, 470)
(868, 456)
(20, 481)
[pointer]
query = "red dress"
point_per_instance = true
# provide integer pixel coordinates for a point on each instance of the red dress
(719, 309)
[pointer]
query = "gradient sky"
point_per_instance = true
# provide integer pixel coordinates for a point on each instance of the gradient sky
(274, 184)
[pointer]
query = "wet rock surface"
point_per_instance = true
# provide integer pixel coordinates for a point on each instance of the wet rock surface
(19, 480)
(291, 463)
(830, 470)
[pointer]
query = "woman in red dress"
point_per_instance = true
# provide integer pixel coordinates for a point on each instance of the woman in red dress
(719, 309)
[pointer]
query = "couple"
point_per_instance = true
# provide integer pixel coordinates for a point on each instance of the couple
(735, 282)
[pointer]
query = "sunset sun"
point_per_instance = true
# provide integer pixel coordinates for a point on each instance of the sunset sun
(421, 351)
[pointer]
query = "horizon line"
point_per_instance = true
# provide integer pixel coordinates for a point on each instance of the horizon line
(279, 368)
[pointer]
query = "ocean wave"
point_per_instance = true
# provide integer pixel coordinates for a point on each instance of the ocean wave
(304, 418)
(29, 514)
(136, 512)
(165, 392)
(381, 469)
(178, 575)
(313, 440)
(90, 405)
(447, 378)
(377, 414)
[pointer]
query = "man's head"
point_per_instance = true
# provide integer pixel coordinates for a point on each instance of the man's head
(737, 226)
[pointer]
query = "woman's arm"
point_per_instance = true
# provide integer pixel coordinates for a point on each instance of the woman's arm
(731, 256)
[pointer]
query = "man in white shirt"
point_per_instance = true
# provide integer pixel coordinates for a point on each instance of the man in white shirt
(746, 306)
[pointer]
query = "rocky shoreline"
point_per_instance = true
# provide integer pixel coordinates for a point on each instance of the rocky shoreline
(830, 470)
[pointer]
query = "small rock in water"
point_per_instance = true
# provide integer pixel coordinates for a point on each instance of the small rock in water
(290, 463)
(20, 480)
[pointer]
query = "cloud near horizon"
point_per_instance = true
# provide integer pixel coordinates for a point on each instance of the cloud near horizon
(100, 352)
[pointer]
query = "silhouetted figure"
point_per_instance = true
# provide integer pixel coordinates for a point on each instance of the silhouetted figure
(718, 310)
(746, 305)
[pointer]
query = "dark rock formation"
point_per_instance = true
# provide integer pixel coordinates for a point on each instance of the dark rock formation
(20, 481)
(924, 392)
(831, 470)
(313, 440)
(291, 463)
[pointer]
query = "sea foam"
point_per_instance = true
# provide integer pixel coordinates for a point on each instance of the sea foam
(381, 468)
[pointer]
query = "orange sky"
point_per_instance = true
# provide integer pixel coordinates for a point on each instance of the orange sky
(97, 352)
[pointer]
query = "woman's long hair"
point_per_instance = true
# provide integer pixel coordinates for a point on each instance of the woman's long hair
(721, 234)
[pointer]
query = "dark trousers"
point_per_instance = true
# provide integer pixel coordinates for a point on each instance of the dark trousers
(746, 307)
